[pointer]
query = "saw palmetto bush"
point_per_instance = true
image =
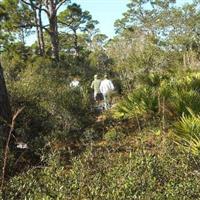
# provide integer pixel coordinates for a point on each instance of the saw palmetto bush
(158, 94)
(180, 92)
(187, 133)
(139, 102)
(182, 100)
(151, 79)
(195, 84)
(185, 94)
(145, 99)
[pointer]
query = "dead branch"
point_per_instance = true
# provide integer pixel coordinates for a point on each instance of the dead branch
(6, 151)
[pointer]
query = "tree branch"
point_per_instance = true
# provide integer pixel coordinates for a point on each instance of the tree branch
(33, 6)
(33, 25)
(61, 3)
(6, 151)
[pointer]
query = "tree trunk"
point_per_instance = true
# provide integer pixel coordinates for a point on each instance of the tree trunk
(184, 60)
(53, 29)
(188, 58)
(37, 31)
(54, 37)
(22, 36)
(76, 43)
(41, 35)
(5, 109)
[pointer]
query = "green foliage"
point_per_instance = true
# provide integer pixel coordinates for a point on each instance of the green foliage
(90, 135)
(94, 175)
(186, 99)
(16, 21)
(138, 103)
(184, 93)
(50, 105)
(187, 133)
(176, 94)
(113, 135)
(44, 183)
(100, 61)
(57, 123)
(75, 18)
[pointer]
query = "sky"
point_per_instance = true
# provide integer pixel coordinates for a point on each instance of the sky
(106, 12)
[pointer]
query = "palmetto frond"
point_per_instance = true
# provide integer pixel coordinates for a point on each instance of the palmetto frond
(187, 133)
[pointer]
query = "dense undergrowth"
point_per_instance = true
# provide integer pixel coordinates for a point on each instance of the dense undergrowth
(104, 173)
(145, 147)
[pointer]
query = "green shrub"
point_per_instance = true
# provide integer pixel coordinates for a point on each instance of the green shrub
(96, 175)
(90, 135)
(187, 133)
(183, 99)
(47, 183)
(139, 102)
(174, 93)
(113, 135)
(52, 110)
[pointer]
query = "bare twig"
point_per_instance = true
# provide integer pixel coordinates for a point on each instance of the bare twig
(34, 6)
(5, 158)
(61, 3)
(163, 114)
(138, 123)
